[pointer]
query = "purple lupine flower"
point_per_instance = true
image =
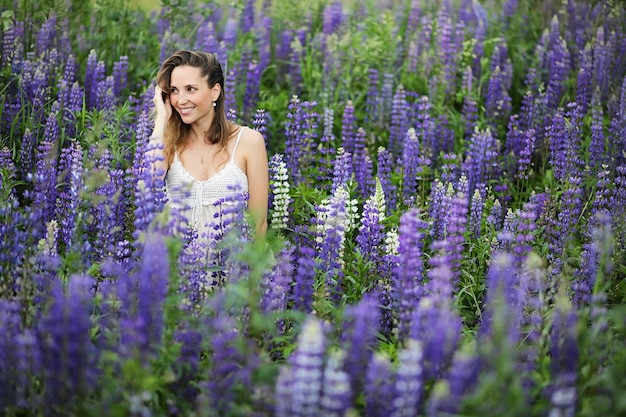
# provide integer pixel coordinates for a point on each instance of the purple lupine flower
(295, 64)
(565, 136)
(595, 258)
(435, 324)
(523, 233)
(598, 153)
(379, 386)
(253, 80)
(470, 115)
(45, 178)
(564, 361)
(304, 285)
(152, 280)
(300, 129)
(447, 50)
(399, 121)
(454, 232)
(336, 397)
(187, 364)
(440, 201)
(481, 160)
(358, 336)
(372, 100)
(342, 172)
(384, 169)
(15, 234)
(68, 200)
(408, 273)
(584, 81)
(259, 123)
(496, 215)
(410, 165)
(617, 130)
(562, 228)
(559, 67)
(10, 42)
(504, 299)
(348, 128)
(94, 75)
(67, 354)
(442, 137)
(333, 221)
(193, 267)
(10, 330)
(371, 232)
(231, 367)
(386, 99)
(497, 100)
(276, 285)
(305, 370)
(362, 164)
(477, 205)
(230, 90)
(448, 394)
(450, 169)
(601, 59)
(205, 38)
(409, 383)
(618, 201)
(120, 75)
(326, 148)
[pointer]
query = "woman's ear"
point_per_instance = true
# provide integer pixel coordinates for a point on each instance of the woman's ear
(217, 89)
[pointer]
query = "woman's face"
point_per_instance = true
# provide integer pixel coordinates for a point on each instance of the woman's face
(191, 96)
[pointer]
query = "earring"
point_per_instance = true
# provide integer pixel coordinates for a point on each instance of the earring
(214, 104)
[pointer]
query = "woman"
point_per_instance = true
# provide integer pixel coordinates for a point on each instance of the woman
(207, 160)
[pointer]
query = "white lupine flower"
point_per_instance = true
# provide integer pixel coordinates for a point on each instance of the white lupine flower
(392, 242)
(280, 187)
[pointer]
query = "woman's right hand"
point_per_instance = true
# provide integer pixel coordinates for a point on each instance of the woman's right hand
(163, 108)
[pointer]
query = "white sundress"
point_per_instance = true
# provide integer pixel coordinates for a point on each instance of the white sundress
(207, 205)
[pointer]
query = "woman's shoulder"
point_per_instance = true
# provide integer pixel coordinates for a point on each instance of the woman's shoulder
(250, 137)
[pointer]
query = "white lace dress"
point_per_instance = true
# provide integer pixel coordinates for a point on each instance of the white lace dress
(209, 205)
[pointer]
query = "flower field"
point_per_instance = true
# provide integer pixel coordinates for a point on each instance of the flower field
(447, 220)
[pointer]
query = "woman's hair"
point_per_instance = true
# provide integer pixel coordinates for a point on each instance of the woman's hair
(176, 131)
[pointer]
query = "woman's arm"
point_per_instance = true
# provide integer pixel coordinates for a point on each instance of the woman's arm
(258, 180)
(156, 144)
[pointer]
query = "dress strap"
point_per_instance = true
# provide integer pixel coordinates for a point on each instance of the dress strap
(232, 158)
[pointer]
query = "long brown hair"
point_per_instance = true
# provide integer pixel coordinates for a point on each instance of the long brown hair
(176, 131)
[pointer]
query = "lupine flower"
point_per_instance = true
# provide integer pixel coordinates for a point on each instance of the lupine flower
(399, 121)
(584, 81)
(336, 391)
(384, 169)
(448, 394)
(348, 129)
(279, 185)
(564, 362)
(371, 231)
(68, 200)
(276, 287)
(598, 155)
(481, 161)
(435, 324)
(379, 386)
(408, 273)
(67, 355)
(496, 215)
(372, 99)
(559, 67)
(335, 218)
(342, 172)
(562, 228)
(304, 279)
(304, 373)
(440, 202)
(409, 382)
(295, 56)
(358, 336)
(476, 211)
(259, 123)
(362, 165)
(410, 164)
